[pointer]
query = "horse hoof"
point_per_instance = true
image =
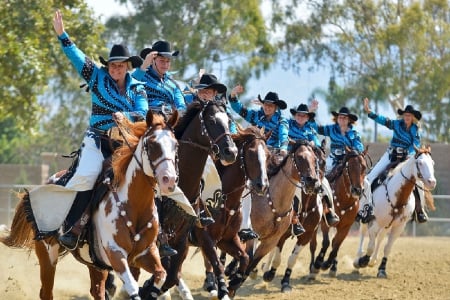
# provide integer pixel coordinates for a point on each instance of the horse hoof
(269, 275)
(332, 274)
(254, 274)
(213, 295)
(286, 288)
(382, 274)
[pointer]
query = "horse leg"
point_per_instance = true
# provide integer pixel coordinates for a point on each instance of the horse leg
(394, 234)
(151, 262)
(266, 267)
(318, 263)
(313, 271)
(48, 258)
(363, 261)
(183, 290)
(374, 257)
(341, 234)
(207, 246)
(285, 282)
(98, 280)
(210, 283)
(120, 265)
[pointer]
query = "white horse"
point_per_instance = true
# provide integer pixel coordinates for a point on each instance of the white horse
(393, 207)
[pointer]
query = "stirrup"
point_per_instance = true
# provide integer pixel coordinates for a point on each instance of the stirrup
(69, 240)
(297, 229)
(247, 234)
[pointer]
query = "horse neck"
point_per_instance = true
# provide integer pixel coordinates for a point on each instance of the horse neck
(191, 164)
(282, 186)
(403, 181)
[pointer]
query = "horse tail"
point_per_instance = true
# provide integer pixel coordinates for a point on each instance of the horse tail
(429, 200)
(21, 235)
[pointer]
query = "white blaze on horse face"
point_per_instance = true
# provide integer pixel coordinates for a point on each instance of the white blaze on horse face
(262, 158)
(222, 118)
(425, 166)
(166, 173)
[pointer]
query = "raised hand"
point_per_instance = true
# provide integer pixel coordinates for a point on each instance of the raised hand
(58, 24)
(366, 105)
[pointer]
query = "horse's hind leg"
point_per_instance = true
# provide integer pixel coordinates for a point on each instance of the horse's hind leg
(48, 258)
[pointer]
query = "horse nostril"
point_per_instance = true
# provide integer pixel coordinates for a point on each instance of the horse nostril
(165, 179)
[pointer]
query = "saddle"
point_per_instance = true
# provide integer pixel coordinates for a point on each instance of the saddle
(383, 175)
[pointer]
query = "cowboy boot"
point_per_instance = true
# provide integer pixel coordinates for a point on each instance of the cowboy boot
(164, 248)
(365, 213)
(204, 219)
(331, 217)
(247, 234)
(297, 229)
(78, 216)
(421, 216)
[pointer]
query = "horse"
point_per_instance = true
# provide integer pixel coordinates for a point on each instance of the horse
(394, 205)
(202, 131)
(124, 226)
(271, 213)
(346, 181)
(250, 171)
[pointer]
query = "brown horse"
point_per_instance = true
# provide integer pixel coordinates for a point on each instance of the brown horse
(203, 131)
(271, 213)
(250, 168)
(124, 226)
(346, 181)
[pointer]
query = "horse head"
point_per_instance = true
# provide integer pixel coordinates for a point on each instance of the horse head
(210, 131)
(425, 167)
(160, 151)
(305, 162)
(355, 165)
(254, 154)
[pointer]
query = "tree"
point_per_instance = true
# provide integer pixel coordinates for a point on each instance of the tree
(395, 51)
(220, 36)
(30, 54)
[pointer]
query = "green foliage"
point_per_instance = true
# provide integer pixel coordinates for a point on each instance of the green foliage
(395, 51)
(220, 36)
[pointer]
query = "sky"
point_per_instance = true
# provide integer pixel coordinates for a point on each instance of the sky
(293, 88)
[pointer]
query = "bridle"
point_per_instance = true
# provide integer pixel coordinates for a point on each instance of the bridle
(213, 147)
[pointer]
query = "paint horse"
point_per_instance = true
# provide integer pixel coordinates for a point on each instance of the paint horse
(271, 213)
(202, 131)
(394, 205)
(347, 182)
(125, 224)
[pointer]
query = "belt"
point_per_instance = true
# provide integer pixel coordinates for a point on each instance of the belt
(398, 149)
(98, 131)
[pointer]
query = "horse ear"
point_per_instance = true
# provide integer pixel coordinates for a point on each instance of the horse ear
(366, 150)
(416, 149)
(323, 144)
(149, 118)
(267, 136)
(173, 119)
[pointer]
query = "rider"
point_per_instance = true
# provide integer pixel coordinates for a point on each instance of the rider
(163, 92)
(405, 138)
(300, 128)
(114, 95)
(270, 118)
(342, 134)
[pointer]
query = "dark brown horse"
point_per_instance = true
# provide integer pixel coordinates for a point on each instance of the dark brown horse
(203, 131)
(250, 168)
(346, 181)
(271, 213)
(124, 227)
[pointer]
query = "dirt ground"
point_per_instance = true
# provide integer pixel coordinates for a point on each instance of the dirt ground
(419, 268)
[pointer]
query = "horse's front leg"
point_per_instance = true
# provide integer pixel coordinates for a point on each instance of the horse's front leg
(392, 237)
(325, 244)
(118, 260)
(207, 246)
(340, 236)
(363, 261)
(98, 280)
(47, 254)
(313, 271)
(150, 261)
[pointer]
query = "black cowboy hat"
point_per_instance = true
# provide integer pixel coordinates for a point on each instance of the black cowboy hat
(209, 81)
(345, 112)
(120, 52)
(272, 97)
(163, 49)
(409, 109)
(303, 108)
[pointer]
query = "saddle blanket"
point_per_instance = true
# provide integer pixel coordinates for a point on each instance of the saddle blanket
(50, 204)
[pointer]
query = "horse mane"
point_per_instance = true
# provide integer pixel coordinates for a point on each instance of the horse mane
(186, 119)
(132, 134)
(244, 133)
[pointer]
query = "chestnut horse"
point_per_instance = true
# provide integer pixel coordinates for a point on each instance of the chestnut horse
(202, 131)
(394, 205)
(346, 181)
(124, 226)
(271, 213)
(250, 171)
